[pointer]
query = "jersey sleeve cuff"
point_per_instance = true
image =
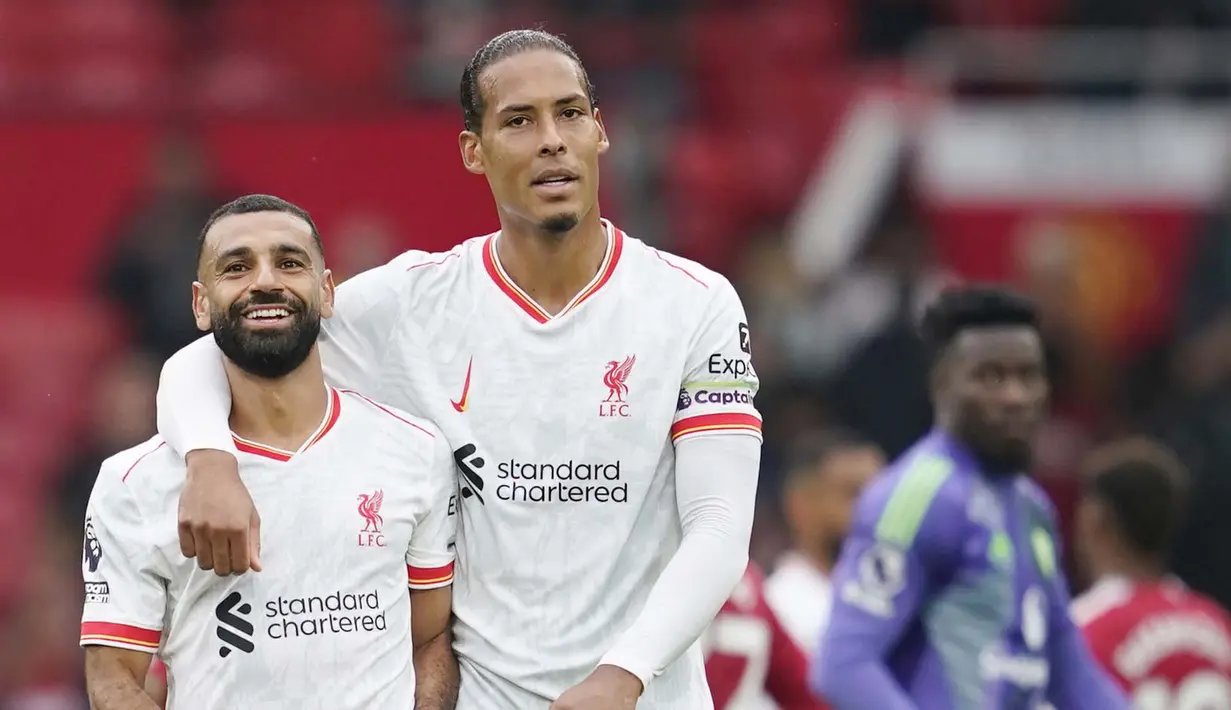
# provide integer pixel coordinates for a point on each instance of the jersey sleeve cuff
(133, 638)
(720, 423)
(639, 670)
(429, 577)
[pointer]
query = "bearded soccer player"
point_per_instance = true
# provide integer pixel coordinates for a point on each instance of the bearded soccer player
(598, 394)
(1165, 644)
(750, 659)
(948, 594)
(357, 497)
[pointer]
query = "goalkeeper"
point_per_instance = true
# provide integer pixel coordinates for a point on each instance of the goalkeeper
(948, 594)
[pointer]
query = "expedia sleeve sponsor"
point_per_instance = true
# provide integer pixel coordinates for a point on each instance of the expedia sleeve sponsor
(720, 383)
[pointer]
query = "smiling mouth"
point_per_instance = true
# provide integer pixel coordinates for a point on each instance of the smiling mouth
(267, 314)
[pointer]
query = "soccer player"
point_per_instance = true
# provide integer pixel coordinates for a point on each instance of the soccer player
(949, 594)
(1168, 646)
(598, 394)
(357, 497)
(828, 471)
(751, 661)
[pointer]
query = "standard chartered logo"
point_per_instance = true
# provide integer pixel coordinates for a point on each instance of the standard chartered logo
(336, 613)
(564, 482)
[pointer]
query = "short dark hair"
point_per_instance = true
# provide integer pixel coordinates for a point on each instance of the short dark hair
(813, 449)
(1144, 485)
(506, 45)
(249, 204)
(961, 309)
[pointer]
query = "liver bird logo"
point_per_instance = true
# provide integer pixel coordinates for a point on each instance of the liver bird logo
(369, 508)
(617, 374)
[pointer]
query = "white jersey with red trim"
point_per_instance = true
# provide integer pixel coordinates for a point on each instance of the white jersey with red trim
(365, 505)
(563, 429)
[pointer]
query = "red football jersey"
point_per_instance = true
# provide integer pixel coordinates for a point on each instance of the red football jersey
(749, 656)
(1167, 646)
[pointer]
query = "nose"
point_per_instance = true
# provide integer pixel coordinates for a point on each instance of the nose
(1015, 393)
(551, 143)
(266, 278)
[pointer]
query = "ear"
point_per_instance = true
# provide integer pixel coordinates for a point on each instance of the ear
(327, 294)
(603, 143)
(471, 147)
(200, 306)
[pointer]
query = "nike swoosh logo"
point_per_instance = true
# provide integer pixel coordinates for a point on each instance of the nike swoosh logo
(460, 404)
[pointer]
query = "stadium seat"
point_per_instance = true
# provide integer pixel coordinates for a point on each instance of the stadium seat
(116, 80)
(240, 80)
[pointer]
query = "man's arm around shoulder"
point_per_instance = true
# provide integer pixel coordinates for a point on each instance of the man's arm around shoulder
(115, 679)
(436, 673)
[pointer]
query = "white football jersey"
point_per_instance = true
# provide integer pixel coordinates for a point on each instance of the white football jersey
(802, 597)
(365, 505)
(563, 429)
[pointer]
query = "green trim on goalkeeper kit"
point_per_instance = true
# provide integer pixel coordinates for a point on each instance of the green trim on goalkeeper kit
(717, 384)
(1044, 552)
(912, 497)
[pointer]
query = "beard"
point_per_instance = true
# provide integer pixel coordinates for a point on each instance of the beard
(559, 225)
(267, 353)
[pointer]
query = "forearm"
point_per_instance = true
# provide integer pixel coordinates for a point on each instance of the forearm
(716, 489)
(119, 693)
(194, 399)
(436, 674)
(114, 685)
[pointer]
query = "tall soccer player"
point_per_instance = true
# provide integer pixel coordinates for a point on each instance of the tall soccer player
(357, 498)
(598, 394)
(948, 594)
(1168, 646)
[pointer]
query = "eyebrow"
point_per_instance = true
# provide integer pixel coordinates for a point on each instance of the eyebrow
(523, 108)
(281, 250)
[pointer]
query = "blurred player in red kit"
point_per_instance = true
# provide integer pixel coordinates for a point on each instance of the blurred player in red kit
(751, 662)
(1168, 646)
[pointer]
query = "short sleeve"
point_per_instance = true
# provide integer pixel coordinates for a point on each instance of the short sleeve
(719, 383)
(430, 557)
(125, 590)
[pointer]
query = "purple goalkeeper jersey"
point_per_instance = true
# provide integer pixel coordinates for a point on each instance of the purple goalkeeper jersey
(949, 596)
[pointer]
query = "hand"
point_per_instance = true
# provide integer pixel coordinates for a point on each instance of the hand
(607, 688)
(218, 523)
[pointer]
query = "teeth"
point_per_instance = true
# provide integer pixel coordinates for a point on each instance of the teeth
(269, 313)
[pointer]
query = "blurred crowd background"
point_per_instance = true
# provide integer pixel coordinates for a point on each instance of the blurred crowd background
(840, 160)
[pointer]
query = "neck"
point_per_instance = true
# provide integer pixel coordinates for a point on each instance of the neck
(552, 268)
(1130, 567)
(281, 413)
(991, 466)
(820, 557)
